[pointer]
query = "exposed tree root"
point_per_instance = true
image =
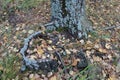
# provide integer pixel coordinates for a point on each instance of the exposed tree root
(39, 64)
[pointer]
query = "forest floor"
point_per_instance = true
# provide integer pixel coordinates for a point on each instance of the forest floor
(102, 47)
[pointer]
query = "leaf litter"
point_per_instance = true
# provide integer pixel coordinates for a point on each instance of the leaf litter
(104, 50)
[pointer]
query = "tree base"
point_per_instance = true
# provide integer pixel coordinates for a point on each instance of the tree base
(51, 64)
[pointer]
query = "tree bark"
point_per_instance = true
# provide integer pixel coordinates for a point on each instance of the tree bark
(64, 13)
(70, 14)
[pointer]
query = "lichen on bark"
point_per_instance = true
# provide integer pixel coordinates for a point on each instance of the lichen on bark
(70, 14)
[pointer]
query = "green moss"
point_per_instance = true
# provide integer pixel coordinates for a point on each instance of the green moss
(94, 34)
(10, 67)
(59, 29)
(62, 29)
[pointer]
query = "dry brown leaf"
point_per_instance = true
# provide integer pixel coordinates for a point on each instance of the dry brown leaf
(53, 47)
(0, 44)
(112, 77)
(102, 50)
(53, 77)
(39, 50)
(74, 62)
(49, 41)
(1, 67)
(5, 39)
(49, 48)
(96, 58)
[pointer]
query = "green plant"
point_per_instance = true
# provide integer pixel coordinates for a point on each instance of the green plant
(9, 67)
(85, 74)
(8, 7)
(27, 4)
(21, 4)
(94, 34)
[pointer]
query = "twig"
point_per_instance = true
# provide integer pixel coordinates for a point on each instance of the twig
(111, 27)
(60, 58)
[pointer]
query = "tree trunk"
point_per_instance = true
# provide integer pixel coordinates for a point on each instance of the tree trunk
(70, 14)
(64, 13)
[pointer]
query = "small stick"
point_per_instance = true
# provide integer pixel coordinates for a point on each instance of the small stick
(60, 58)
(111, 27)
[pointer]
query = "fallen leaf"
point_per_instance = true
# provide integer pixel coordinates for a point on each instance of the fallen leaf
(53, 77)
(49, 41)
(30, 31)
(39, 50)
(112, 77)
(0, 44)
(67, 51)
(49, 48)
(74, 62)
(108, 46)
(71, 72)
(5, 39)
(102, 50)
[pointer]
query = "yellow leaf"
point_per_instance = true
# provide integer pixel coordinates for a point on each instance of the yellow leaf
(113, 77)
(1, 67)
(103, 50)
(40, 51)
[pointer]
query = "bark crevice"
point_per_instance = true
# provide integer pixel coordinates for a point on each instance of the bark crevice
(63, 8)
(70, 14)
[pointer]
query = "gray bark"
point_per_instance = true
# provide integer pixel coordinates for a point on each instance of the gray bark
(70, 14)
(64, 13)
